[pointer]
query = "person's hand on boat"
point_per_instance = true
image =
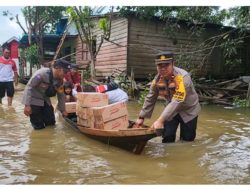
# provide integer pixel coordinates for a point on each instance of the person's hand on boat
(158, 124)
(27, 110)
(64, 114)
(139, 123)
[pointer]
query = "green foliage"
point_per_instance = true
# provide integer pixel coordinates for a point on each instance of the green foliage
(104, 25)
(82, 16)
(8, 14)
(195, 18)
(86, 74)
(144, 93)
(123, 82)
(241, 102)
(43, 18)
(193, 14)
(141, 12)
(230, 48)
(39, 20)
(31, 54)
(183, 60)
(86, 25)
(142, 96)
(239, 16)
(151, 76)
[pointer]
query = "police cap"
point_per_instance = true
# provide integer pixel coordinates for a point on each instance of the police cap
(164, 57)
(65, 65)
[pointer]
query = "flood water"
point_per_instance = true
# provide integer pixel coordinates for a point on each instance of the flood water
(59, 155)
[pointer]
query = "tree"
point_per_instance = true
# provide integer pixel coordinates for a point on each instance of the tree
(240, 17)
(83, 18)
(232, 41)
(30, 54)
(196, 18)
(195, 14)
(39, 20)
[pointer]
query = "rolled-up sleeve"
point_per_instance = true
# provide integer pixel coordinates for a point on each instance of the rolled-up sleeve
(61, 102)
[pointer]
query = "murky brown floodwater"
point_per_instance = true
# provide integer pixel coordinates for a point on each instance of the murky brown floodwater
(60, 155)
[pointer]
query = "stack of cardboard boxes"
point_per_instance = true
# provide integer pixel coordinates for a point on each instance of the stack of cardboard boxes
(93, 111)
(70, 107)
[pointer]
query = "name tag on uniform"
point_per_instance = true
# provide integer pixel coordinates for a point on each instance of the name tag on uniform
(180, 91)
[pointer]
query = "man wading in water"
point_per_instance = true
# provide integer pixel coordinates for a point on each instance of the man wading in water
(175, 85)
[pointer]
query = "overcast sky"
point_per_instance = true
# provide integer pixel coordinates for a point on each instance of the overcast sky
(9, 28)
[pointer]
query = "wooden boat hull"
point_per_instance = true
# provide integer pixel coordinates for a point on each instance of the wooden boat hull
(131, 139)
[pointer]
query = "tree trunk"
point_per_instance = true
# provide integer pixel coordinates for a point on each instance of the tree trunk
(92, 68)
(41, 54)
(31, 66)
(40, 49)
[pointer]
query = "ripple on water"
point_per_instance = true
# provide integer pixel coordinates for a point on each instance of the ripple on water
(3, 143)
(61, 156)
(228, 160)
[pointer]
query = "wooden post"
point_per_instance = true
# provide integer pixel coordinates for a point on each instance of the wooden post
(248, 92)
(82, 78)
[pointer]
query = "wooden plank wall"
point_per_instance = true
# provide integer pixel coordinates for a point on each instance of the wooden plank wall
(82, 56)
(147, 38)
(140, 40)
(112, 56)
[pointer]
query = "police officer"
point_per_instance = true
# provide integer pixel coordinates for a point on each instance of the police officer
(45, 83)
(175, 85)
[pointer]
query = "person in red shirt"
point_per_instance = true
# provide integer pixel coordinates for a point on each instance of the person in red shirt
(8, 74)
(74, 77)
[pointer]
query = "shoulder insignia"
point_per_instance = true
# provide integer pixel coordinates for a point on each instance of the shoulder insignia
(38, 76)
(60, 89)
(153, 83)
(180, 91)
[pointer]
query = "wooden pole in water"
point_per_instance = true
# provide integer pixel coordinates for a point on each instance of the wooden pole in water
(248, 92)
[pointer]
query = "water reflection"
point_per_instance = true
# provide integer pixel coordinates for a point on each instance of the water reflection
(228, 158)
(14, 144)
(60, 155)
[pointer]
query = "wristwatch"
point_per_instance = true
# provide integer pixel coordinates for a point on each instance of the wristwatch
(141, 117)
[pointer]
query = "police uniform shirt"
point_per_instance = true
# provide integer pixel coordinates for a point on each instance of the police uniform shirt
(34, 93)
(188, 108)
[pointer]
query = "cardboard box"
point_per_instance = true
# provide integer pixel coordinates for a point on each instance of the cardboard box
(90, 122)
(84, 112)
(92, 99)
(109, 112)
(116, 124)
(70, 107)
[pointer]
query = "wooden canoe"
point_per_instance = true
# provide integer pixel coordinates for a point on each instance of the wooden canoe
(131, 139)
